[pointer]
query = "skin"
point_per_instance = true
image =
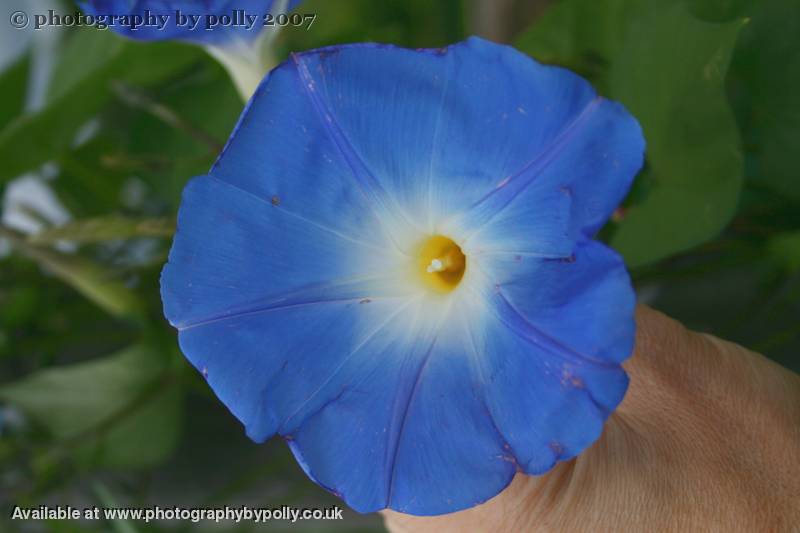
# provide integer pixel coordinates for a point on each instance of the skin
(706, 439)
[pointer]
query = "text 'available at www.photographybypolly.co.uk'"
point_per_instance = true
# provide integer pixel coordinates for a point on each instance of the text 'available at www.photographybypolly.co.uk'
(158, 513)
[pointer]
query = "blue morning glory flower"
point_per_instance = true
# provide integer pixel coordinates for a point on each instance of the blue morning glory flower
(391, 266)
(164, 24)
(241, 43)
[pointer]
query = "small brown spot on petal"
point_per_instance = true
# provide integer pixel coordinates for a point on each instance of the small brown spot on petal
(557, 447)
(568, 378)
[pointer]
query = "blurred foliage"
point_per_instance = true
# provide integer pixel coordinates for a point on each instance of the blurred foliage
(91, 279)
(96, 403)
(122, 410)
(668, 68)
(80, 86)
(104, 228)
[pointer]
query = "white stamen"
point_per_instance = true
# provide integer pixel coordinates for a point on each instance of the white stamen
(435, 266)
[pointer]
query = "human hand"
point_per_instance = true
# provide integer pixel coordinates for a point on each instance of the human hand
(706, 439)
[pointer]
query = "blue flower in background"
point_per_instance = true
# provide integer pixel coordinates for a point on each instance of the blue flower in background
(391, 265)
(195, 32)
(242, 45)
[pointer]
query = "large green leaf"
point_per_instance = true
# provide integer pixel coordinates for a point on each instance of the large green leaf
(670, 74)
(766, 77)
(83, 54)
(122, 410)
(720, 10)
(145, 432)
(81, 91)
(410, 23)
(668, 68)
(584, 35)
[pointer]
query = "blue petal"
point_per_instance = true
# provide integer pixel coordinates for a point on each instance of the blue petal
(537, 226)
(476, 120)
(272, 381)
(585, 302)
(412, 435)
(268, 304)
(237, 252)
(548, 403)
(216, 35)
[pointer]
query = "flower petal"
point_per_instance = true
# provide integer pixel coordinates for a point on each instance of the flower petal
(413, 436)
(466, 130)
(235, 252)
(541, 229)
(269, 379)
(584, 303)
(548, 404)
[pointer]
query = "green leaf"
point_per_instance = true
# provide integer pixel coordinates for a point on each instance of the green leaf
(766, 75)
(668, 68)
(144, 434)
(583, 35)
(411, 23)
(670, 74)
(720, 10)
(33, 139)
(13, 89)
(785, 249)
(105, 228)
(57, 397)
(90, 279)
(119, 411)
(85, 51)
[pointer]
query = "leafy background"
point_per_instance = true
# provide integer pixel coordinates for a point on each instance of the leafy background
(97, 406)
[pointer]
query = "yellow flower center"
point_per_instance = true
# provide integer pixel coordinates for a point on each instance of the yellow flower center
(441, 264)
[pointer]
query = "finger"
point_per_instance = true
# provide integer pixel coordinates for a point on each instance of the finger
(517, 508)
